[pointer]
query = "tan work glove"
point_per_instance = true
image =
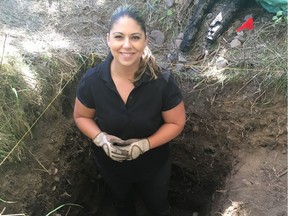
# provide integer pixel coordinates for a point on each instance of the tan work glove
(135, 147)
(108, 143)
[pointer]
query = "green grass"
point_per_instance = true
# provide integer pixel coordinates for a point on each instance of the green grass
(61, 206)
(28, 90)
(15, 98)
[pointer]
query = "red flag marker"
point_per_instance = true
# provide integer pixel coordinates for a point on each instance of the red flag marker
(249, 25)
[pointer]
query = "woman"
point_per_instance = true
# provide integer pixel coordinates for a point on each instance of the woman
(131, 108)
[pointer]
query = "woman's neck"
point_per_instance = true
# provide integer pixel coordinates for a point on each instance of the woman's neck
(122, 71)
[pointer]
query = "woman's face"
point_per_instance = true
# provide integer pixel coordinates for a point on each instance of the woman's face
(127, 42)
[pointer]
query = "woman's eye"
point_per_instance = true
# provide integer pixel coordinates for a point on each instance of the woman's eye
(135, 37)
(118, 36)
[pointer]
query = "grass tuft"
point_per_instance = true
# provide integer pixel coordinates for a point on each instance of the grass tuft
(25, 93)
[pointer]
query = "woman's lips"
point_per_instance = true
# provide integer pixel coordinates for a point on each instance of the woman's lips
(126, 55)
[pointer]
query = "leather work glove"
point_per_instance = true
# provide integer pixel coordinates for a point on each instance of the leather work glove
(107, 142)
(135, 147)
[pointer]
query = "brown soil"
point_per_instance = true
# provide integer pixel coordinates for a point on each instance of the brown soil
(230, 160)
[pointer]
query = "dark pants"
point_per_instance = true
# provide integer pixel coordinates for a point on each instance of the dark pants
(153, 191)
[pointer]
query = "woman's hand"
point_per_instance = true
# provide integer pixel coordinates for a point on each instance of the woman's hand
(134, 147)
(109, 144)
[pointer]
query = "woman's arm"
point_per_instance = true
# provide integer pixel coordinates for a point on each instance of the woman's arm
(174, 121)
(84, 118)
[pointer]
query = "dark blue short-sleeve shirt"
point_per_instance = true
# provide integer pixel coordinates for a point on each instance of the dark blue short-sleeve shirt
(139, 118)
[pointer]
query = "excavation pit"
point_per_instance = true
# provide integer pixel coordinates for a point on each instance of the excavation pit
(191, 188)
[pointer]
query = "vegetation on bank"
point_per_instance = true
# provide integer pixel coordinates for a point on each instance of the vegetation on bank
(30, 87)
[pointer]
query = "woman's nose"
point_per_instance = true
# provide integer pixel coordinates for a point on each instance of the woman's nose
(127, 43)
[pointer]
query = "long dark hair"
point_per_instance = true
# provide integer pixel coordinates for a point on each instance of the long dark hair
(148, 63)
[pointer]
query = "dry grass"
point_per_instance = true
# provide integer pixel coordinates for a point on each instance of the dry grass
(262, 60)
(16, 97)
(26, 93)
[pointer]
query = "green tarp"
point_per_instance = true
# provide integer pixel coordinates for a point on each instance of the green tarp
(273, 6)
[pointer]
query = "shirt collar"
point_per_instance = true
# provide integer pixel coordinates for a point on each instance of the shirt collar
(106, 73)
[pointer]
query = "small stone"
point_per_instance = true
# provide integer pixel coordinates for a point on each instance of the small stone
(195, 214)
(172, 57)
(56, 178)
(248, 16)
(169, 3)
(240, 33)
(221, 63)
(181, 58)
(178, 43)
(195, 128)
(240, 38)
(235, 43)
(55, 171)
(158, 36)
(54, 188)
(246, 182)
(180, 36)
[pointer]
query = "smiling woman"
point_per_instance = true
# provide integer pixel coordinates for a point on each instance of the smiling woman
(132, 41)
(126, 44)
(232, 151)
(131, 108)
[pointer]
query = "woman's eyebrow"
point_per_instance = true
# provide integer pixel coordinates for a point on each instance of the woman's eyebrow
(136, 33)
(117, 33)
